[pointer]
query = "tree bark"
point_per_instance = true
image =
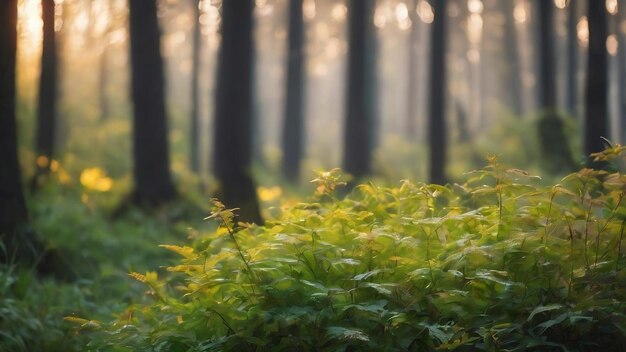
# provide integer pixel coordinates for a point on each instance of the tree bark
(294, 109)
(48, 86)
(621, 67)
(412, 107)
(233, 114)
(514, 69)
(555, 151)
(13, 213)
(596, 112)
(153, 182)
(437, 132)
(361, 111)
(572, 58)
(194, 145)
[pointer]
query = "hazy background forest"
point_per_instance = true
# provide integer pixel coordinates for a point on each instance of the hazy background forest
(128, 116)
(493, 90)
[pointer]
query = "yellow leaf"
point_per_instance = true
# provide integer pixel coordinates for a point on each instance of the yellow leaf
(95, 179)
(76, 320)
(138, 276)
(185, 251)
(185, 268)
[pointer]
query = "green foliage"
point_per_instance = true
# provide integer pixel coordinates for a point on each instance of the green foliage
(498, 263)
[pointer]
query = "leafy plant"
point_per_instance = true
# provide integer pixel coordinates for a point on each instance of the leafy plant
(498, 263)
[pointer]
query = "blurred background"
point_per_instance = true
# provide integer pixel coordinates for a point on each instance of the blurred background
(493, 94)
(194, 97)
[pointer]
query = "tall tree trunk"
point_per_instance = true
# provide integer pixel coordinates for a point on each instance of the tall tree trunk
(621, 67)
(103, 82)
(103, 74)
(194, 145)
(294, 108)
(411, 110)
(13, 213)
(153, 182)
(361, 110)
(572, 58)
(596, 113)
(547, 76)
(233, 111)
(555, 150)
(437, 132)
(514, 69)
(48, 85)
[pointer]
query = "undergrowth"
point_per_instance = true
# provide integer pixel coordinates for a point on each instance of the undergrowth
(498, 263)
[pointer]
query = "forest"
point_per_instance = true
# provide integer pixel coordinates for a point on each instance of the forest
(314, 175)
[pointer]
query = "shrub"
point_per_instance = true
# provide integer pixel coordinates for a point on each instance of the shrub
(499, 263)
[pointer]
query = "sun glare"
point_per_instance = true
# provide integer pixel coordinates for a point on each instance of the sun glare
(29, 26)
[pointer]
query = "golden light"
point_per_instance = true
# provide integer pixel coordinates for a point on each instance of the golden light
(611, 6)
(519, 13)
(402, 16)
(339, 12)
(474, 28)
(380, 20)
(308, 8)
(425, 12)
(612, 45)
(475, 6)
(29, 26)
(95, 179)
(561, 4)
(405, 24)
(402, 12)
(582, 29)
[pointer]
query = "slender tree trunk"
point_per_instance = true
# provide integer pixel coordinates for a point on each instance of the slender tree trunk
(153, 182)
(412, 107)
(13, 213)
(572, 58)
(194, 147)
(621, 67)
(437, 132)
(596, 112)
(294, 109)
(547, 77)
(554, 144)
(103, 83)
(233, 114)
(514, 69)
(103, 74)
(48, 85)
(361, 114)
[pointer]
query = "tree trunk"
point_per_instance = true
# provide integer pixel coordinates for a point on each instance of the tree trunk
(412, 107)
(47, 108)
(103, 82)
(514, 69)
(572, 58)
(103, 74)
(153, 183)
(13, 213)
(194, 144)
(621, 67)
(437, 124)
(596, 114)
(294, 108)
(233, 114)
(361, 114)
(547, 77)
(555, 151)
